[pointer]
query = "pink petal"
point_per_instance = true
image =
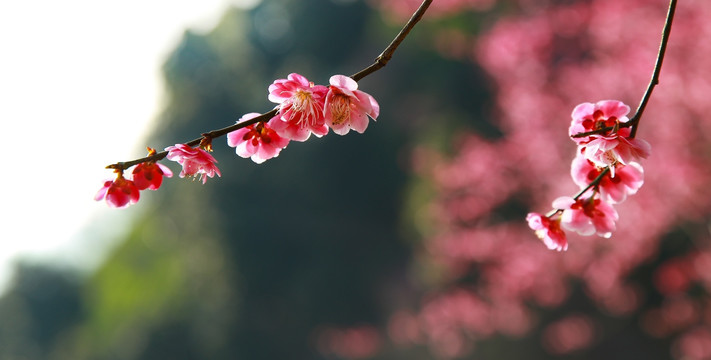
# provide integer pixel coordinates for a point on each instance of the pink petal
(368, 104)
(343, 82)
(583, 110)
(102, 192)
(166, 170)
(614, 108)
(563, 202)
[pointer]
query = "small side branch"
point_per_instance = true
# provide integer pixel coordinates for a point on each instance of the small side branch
(387, 54)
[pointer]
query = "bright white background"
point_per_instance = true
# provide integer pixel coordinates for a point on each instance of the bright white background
(80, 83)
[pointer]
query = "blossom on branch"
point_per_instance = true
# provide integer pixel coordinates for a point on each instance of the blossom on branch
(118, 193)
(616, 149)
(548, 230)
(149, 175)
(300, 107)
(589, 117)
(196, 162)
(587, 216)
(626, 181)
(347, 107)
(259, 141)
(607, 143)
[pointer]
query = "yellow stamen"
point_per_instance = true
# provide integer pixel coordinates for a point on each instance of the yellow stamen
(341, 109)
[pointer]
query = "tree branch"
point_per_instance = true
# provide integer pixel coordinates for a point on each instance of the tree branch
(634, 122)
(379, 63)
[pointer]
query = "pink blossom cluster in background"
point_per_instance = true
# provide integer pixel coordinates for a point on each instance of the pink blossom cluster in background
(304, 109)
(544, 59)
(355, 342)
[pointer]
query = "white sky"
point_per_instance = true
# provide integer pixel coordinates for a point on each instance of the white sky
(79, 83)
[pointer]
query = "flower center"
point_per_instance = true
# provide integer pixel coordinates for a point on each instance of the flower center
(301, 109)
(301, 101)
(341, 109)
(601, 122)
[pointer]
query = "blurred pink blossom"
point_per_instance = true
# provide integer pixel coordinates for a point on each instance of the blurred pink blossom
(572, 333)
(350, 343)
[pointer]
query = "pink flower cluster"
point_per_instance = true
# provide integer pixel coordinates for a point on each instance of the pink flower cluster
(304, 109)
(121, 192)
(605, 167)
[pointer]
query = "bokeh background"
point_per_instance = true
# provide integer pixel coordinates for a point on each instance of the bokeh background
(408, 241)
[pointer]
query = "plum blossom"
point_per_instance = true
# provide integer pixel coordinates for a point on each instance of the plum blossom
(346, 107)
(627, 180)
(259, 141)
(300, 107)
(149, 175)
(589, 117)
(548, 230)
(587, 216)
(196, 162)
(608, 147)
(611, 150)
(118, 193)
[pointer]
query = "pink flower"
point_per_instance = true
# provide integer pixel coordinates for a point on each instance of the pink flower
(118, 193)
(258, 141)
(612, 146)
(196, 162)
(615, 149)
(300, 106)
(548, 231)
(626, 181)
(346, 107)
(587, 216)
(149, 175)
(588, 117)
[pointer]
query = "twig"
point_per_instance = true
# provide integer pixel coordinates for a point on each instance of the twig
(379, 63)
(634, 122)
(385, 56)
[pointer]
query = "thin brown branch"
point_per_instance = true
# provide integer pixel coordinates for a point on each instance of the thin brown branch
(602, 130)
(387, 54)
(580, 193)
(657, 68)
(195, 142)
(593, 183)
(380, 62)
